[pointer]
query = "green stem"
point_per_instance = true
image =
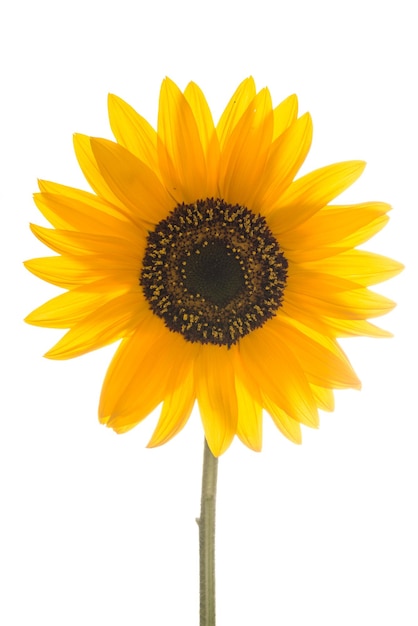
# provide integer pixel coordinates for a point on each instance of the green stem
(206, 523)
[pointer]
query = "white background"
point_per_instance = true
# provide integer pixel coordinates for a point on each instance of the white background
(96, 529)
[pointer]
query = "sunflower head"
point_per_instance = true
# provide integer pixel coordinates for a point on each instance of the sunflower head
(227, 280)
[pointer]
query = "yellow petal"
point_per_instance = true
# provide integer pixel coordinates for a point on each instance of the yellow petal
(331, 326)
(245, 152)
(150, 380)
(73, 209)
(365, 268)
(136, 381)
(321, 358)
(365, 233)
(289, 427)
(72, 271)
(178, 404)
(312, 192)
(284, 115)
(72, 242)
(133, 132)
(250, 417)
(324, 398)
(207, 135)
(201, 113)
(92, 173)
(216, 395)
(354, 328)
(334, 297)
(235, 108)
(65, 310)
(178, 132)
(106, 324)
(332, 226)
(132, 182)
(278, 374)
(286, 156)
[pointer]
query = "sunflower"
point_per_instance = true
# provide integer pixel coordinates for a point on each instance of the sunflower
(227, 281)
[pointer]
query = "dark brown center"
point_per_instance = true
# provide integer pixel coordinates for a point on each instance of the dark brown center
(213, 272)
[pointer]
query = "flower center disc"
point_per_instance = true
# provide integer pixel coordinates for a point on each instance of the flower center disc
(213, 271)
